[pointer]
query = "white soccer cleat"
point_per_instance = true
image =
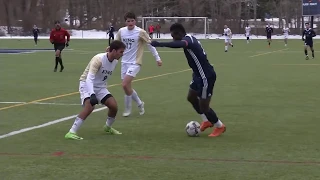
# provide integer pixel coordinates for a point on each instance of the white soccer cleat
(126, 113)
(141, 108)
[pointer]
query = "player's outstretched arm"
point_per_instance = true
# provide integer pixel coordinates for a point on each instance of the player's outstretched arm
(154, 52)
(173, 44)
(303, 35)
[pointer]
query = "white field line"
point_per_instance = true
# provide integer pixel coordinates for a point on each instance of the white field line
(268, 52)
(73, 116)
(44, 125)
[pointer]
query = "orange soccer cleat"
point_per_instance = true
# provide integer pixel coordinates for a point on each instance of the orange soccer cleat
(205, 125)
(218, 131)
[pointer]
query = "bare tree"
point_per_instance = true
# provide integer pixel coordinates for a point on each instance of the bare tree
(97, 14)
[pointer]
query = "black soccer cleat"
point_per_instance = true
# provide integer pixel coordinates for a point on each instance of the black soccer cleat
(55, 70)
(307, 57)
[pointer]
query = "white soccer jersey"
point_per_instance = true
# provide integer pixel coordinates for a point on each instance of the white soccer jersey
(98, 71)
(286, 31)
(248, 29)
(227, 33)
(135, 40)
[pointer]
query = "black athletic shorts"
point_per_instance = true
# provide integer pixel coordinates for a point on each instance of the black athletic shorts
(268, 36)
(203, 86)
(308, 43)
(59, 46)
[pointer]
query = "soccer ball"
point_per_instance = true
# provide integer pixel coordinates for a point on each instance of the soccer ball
(193, 129)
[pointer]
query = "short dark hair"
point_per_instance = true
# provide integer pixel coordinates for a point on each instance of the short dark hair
(177, 28)
(56, 22)
(116, 45)
(129, 15)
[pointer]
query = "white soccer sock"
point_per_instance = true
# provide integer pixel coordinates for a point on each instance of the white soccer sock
(76, 125)
(128, 102)
(226, 48)
(204, 117)
(110, 121)
(136, 98)
(247, 41)
(218, 124)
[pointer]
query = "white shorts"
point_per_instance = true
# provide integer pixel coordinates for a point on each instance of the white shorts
(247, 35)
(227, 40)
(84, 93)
(129, 69)
(286, 36)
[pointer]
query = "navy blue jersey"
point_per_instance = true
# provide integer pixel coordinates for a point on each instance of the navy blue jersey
(197, 58)
(308, 34)
(35, 31)
(269, 30)
(111, 30)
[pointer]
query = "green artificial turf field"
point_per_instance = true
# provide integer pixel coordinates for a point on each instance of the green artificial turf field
(267, 97)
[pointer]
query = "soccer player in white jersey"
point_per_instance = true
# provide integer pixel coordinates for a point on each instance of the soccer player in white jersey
(248, 33)
(135, 39)
(92, 88)
(227, 37)
(286, 32)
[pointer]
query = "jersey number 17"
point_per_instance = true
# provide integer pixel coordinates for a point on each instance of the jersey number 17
(128, 45)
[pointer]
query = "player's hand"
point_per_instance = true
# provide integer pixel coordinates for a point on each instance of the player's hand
(155, 43)
(52, 42)
(107, 49)
(67, 44)
(159, 62)
(93, 100)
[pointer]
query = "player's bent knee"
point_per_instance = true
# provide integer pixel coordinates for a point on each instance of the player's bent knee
(205, 105)
(204, 109)
(58, 53)
(87, 106)
(126, 85)
(110, 102)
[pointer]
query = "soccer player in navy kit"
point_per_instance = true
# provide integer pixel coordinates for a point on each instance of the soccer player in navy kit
(111, 34)
(308, 33)
(203, 80)
(269, 31)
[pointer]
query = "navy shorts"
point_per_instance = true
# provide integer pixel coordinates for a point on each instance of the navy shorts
(111, 36)
(268, 36)
(204, 87)
(309, 43)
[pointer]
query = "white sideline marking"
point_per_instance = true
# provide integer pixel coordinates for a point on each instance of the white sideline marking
(44, 125)
(268, 52)
(42, 103)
